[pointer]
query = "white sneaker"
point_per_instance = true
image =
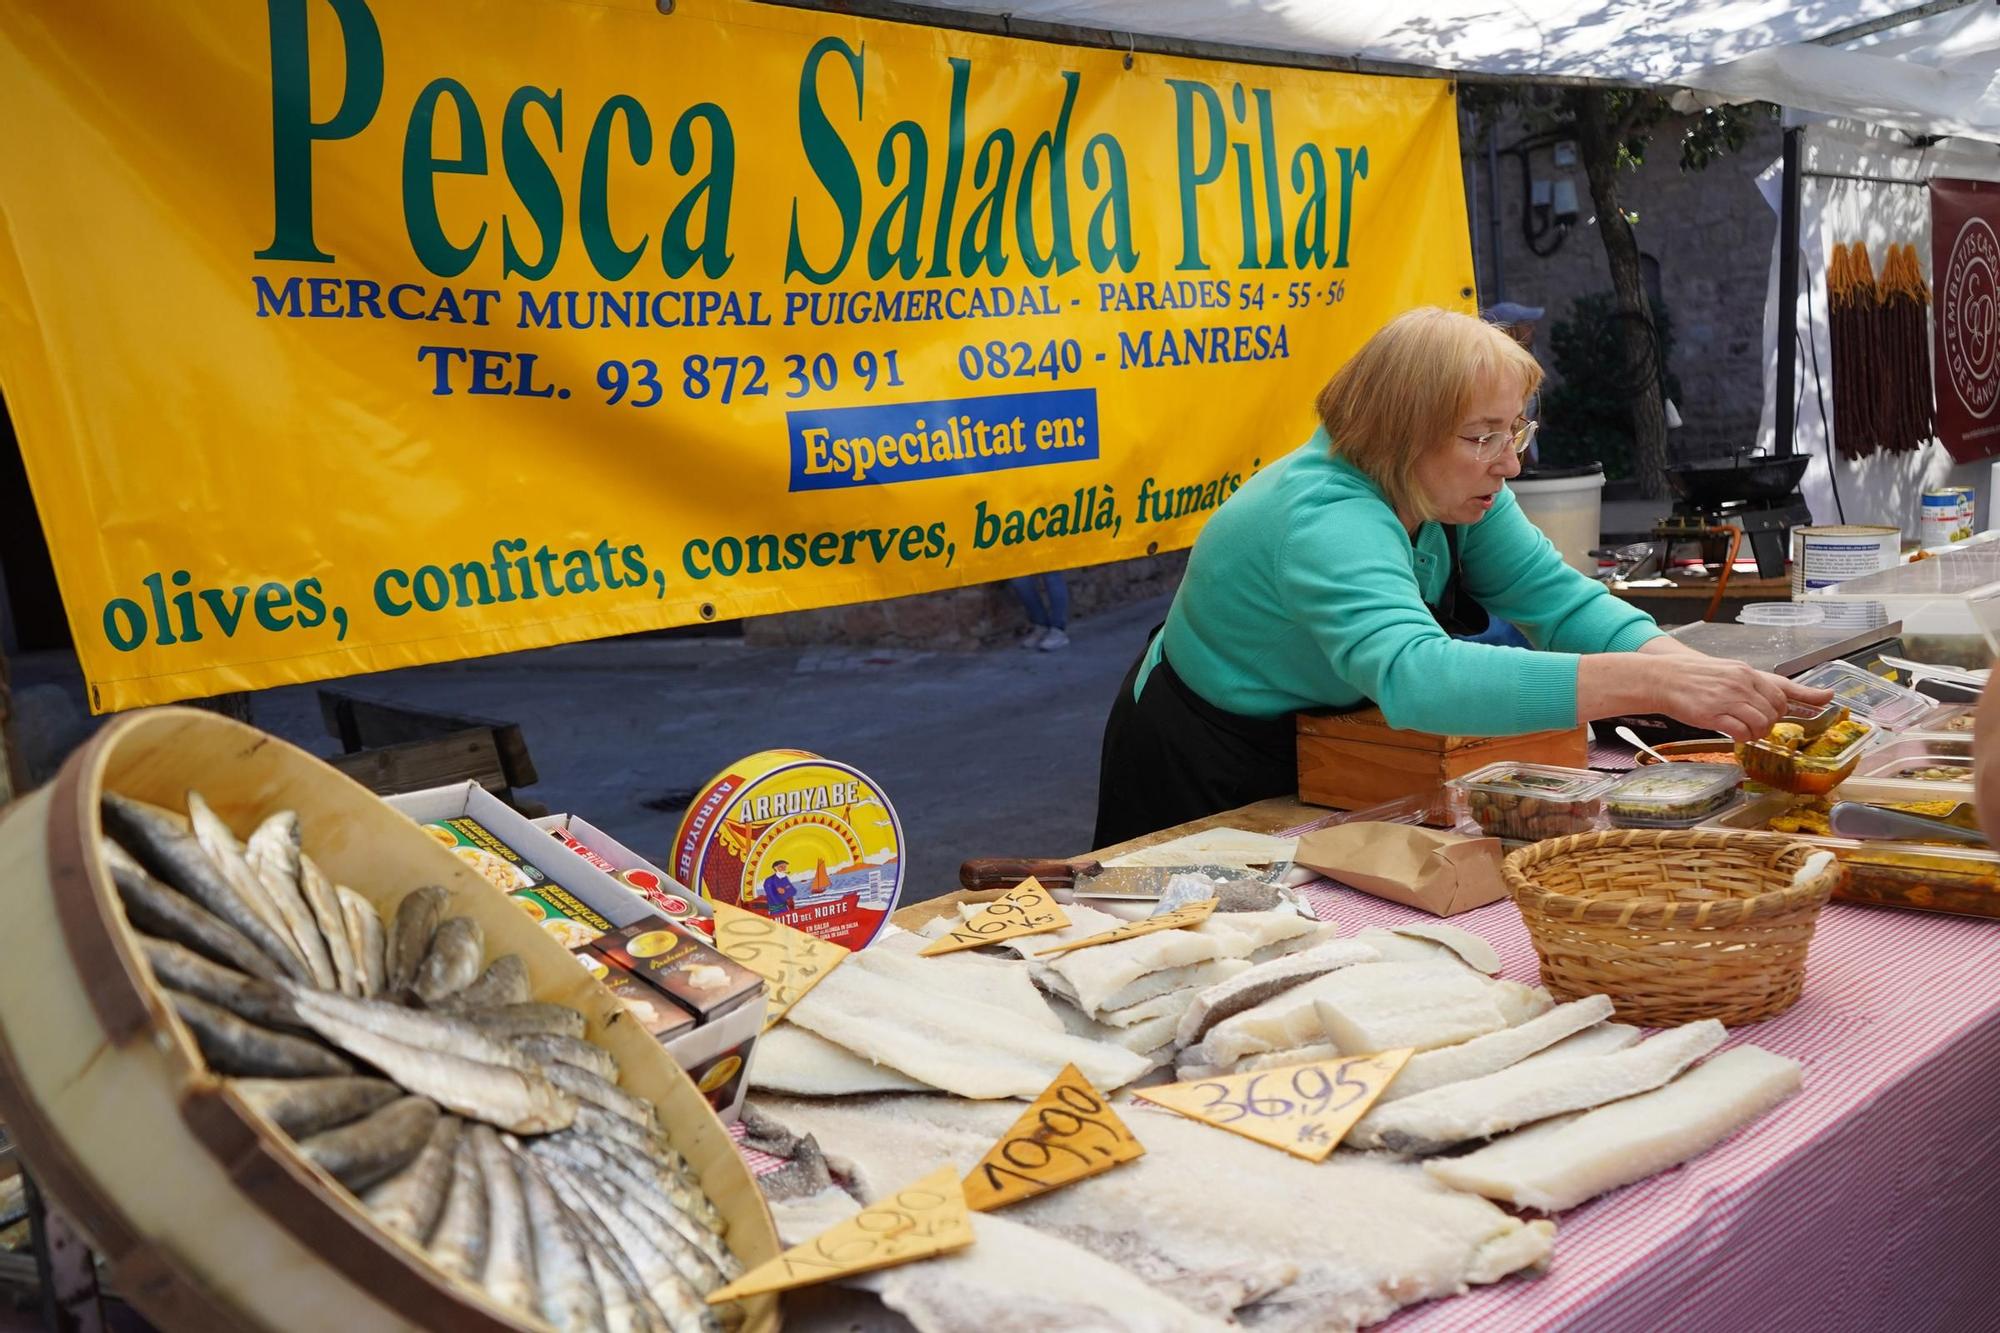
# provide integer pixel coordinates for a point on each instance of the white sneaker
(1033, 638)
(1053, 640)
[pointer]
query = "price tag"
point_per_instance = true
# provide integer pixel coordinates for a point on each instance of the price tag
(1191, 915)
(1069, 1133)
(922, 1220)
(1304, 1109)
(790, 961)
(1026, 910)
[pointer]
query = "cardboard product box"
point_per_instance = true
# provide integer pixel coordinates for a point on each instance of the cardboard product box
(715, 1054)
(683, 966)
(674, 899)
(1351, 761)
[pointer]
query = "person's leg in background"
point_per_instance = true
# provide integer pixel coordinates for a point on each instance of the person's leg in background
(1028, 589)
(1058, 595)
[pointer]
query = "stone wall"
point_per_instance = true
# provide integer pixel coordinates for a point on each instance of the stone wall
(964, 618)
(1711, 233)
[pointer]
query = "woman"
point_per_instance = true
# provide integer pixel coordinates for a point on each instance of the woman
(1338, 576)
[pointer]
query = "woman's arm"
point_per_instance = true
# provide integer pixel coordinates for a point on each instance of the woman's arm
(1702, 691)
(1517, 575)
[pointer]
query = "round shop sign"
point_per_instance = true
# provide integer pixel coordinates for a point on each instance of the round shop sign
(803, 840)
(1968, 308)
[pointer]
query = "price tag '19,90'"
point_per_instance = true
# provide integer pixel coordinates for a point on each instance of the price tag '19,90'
(1191, 915)
(921, 1220)
(1069, 1133)
(790, 961)
(1304, 1109)
(1026, 910)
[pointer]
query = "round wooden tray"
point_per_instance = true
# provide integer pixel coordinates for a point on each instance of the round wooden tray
(206, 1215)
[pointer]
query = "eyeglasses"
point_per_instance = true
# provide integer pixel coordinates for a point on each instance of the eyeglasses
(1496, 442)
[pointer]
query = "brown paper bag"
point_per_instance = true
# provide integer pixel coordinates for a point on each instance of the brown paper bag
(1442, 873)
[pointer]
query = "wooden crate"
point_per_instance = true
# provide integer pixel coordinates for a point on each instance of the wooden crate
(1350, 761)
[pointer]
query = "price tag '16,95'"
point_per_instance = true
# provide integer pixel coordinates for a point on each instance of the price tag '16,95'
(1069, 1133)
(1024, 910)
(1304, 1109)
(1180, 918)
(790, 961)
(921, 1220)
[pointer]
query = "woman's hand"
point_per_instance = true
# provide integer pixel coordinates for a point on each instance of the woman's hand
(1723, 695)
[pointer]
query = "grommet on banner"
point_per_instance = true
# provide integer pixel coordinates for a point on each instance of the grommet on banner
(1131, 46)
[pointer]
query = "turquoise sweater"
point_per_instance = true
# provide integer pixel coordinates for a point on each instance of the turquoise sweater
(1305, 591)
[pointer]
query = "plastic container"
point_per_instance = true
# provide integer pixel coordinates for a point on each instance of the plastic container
(1529, 802)
(1789, 615)
(1869, 697)
(1800, 770)
(1912, 761)
(1948, 720)
(1566, 504)
(1671, 795)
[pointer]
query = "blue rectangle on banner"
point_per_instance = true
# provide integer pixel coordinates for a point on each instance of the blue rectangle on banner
(834, 448)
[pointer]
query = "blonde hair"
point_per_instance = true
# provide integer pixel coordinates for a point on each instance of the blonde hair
(1407, 389)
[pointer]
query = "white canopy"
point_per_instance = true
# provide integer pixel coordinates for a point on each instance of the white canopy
(1933, 74)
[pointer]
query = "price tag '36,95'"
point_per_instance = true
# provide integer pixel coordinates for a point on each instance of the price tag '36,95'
(1304, 1109)
(1069, 1133)
(1024, 910)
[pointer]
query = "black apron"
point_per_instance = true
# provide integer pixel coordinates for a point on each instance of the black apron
(1170, 755)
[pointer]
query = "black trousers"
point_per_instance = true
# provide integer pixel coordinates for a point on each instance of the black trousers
(1170, 756)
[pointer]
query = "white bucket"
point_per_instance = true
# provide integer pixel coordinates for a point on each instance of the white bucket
(1822, 557)
(1568, 510)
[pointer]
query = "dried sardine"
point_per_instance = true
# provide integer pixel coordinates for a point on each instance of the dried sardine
(447, 1034)
(409, 1201)
(520, 1020)
(452, 962)
(366, 939)
(543, 1049)
(586, 1086)
(273, 852)
(303, 1106)
(324, 901)
(417, 917)
(509, 1271)
(566, 1292)
(217, 839)
(504, 982)
(180, 968)
(514, 1099)
(172, 856)
(374, 1147)
(457, 1243)
(232, 1046)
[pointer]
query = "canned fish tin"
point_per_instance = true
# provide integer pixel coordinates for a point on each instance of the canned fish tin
(805, 840)
(1968, 510)
(1939, 518)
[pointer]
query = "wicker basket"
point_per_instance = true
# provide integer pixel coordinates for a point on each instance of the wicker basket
(1673, 925)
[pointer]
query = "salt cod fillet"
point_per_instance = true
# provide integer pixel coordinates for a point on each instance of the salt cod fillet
(1096, 974)
(1479, 1108)
(792, 1060)
(966, 975)
(1215, 1222)
(1264, 982)
(1291, 1018)
(971, 1049)
(1496, 1050)
(1558, 1165)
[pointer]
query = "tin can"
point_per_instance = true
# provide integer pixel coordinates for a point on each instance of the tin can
(1825, 556)
(801, 839)
(1968, 511)
(1938, 518)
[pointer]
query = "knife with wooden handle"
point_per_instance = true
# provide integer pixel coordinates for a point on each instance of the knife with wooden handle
(1084, 877)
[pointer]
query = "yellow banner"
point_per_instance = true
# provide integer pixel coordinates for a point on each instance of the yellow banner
(344, 335)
